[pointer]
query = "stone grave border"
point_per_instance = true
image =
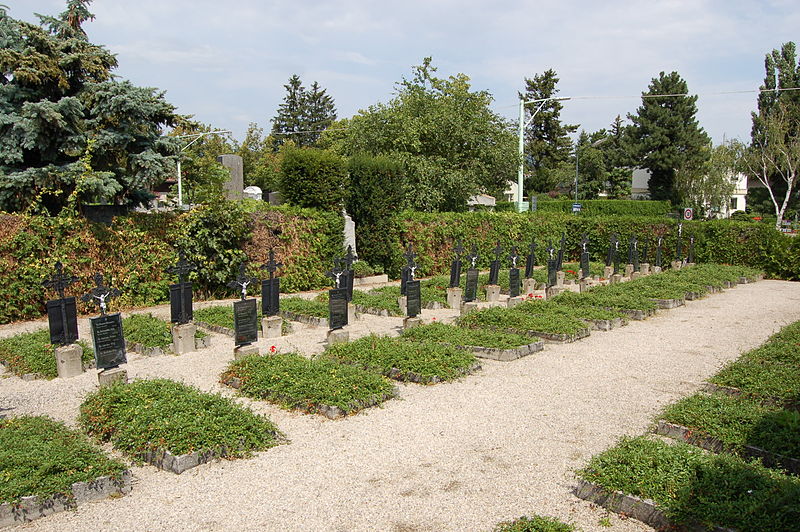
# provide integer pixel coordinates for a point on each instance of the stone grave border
(165, 460)
(136, 347)
(504, 355)
(34, 507)
(736, 392)
(709, 443)
(410, 376)
(370, 279)
(38, 376)
(303, 318)
(604, 325)
(644, 510)
(330, 412)
(668, 303)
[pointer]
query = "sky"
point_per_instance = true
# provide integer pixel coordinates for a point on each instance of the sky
(227, 64)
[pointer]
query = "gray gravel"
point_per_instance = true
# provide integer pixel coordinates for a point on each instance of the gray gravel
(459, 456)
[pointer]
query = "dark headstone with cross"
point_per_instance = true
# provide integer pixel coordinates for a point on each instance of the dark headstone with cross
(679, 245)
(413, 289)
(530, 260)
(62, 313)
(633, 252)
(659, 248)
(513, 274)
(348, 275)
(107, 335)
(271, 287)
(337, 299)
(645, 250)
(562, 248)
(585, 270)
(552, 265)
(245, 311)
(612, 257)
(409, 270)
(471, 286)
(690, 254)
(180, 294)
(455, 266)
(494, 267)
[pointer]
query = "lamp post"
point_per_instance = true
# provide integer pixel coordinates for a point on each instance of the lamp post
(522, 125)
(197, 136)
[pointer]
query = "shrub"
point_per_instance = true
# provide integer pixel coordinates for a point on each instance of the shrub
(608, 207)
(313, 178)
(32, 353)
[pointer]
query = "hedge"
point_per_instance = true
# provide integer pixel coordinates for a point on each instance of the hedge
(607, 207)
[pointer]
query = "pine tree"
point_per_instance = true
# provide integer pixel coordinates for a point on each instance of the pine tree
(70, 133)
(667, 135)
(547, 142)
(303, 115)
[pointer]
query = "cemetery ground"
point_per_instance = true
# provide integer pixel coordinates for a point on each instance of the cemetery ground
(502, 442)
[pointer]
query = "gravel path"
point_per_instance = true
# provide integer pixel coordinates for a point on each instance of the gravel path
(459, 456)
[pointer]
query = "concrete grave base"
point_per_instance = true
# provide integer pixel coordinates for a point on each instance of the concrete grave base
(454, 297)
(351, 313)
(644, 268)
(409, 323)
(245, 350)
(656, 269)
(616, 501)
(68, 360)
(505, 355)
(183, 338)
(271, 326)
(514, 301)
(628, 270)
(34, 507)
(107, 377)
(616, 278)
(560, 276)
(468, 307)
(492, 293)
(676, 264)
(635, 275)
(401, 302)
(337, 336)
(608, 271)
(528, 286)
(553, 291)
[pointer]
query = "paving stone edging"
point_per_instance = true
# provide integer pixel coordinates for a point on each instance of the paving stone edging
(410, 376)
(604, 325)
(136, 347)
(504, 355)
(669, 303)
(303, 318)
(330, 412)
(644, 510)
(702, 440)
(163, 459)
(34, 507)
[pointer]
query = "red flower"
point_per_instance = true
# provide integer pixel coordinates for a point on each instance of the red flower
(273, 349)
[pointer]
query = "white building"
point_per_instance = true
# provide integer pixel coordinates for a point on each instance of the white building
(738, 200)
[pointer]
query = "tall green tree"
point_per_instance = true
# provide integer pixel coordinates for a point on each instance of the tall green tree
(666, 133)
(773, 158)
(591, 165)
(451, 144)
(69, 132)
(547, 142)
(708, 187)
(303, 114)
(202, 175)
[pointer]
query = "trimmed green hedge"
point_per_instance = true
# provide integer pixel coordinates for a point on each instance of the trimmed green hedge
(607, 207)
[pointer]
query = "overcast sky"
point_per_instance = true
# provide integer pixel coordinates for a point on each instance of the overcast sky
(227, 64)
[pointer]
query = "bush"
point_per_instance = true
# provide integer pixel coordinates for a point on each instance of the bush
(313, 178)
(607, 207)
(32, 353)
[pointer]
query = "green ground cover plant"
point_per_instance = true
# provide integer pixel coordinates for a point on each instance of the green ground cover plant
(220, 315)
(293, 381)
(535, 523)
(40, 456)
(33, 353)
(402, 359)
(552, 306)
(691, 485)
(159, 414)
(307, 307)
(517, 320)
(151, 331)
(601, 298)
(739, 421)
(450, 334)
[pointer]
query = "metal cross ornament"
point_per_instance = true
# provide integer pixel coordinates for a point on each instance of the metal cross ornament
(410, 255)
(100, 293)
(498, 250)
(513, 257)
(532, 247)
(550, 249)
(459, 249)
(271, 266)
(243, 280)
(182, 268)
(349, 258)
(584, 243)
(59, 281)
(473, 256)
(335, 273)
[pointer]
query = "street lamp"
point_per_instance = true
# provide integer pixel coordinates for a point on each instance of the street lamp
(522, 125)
(197, 136)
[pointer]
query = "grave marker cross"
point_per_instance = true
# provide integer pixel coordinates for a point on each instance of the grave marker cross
(59, 281)
(336, 272)
(271, 266)
(242, 281)
(182, 268)
(473, 256)
(101, 293)
(513, 257)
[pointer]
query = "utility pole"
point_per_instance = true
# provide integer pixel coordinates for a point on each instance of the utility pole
(195, 137)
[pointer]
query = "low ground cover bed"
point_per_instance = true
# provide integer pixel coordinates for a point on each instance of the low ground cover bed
(739, 421)
(581, 312)
(600, 297)
(149, 331)
(418, 361)
(220, 315)
(32, 353)
(690, 485)
(450, 334)
(293, 381)
(307, 307)
(159, 414)
(519, 320)
(40, 456)
(536, 523)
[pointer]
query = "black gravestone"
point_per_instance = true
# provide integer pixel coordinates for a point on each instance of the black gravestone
(552, 268)
(455, 266)
(494, 267)
(513, 282)
(245, 322)
(690, 253)
(530, 261)
(180, 303)
(108, 340)
(337, 308)
(405, 276)
(585, 271)
(270, 296)
(62, 316)
(471, 287)
(561, 250)
(658, 251)
(414, 299)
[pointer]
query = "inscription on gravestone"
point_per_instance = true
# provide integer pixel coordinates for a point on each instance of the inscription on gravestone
(690, 254)
(107, 335)
(337, 308)
(471, 286)
(530, 260)
(455, 267)
(271, 288)
(414, 299)
(62, 313)
(245, 321)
